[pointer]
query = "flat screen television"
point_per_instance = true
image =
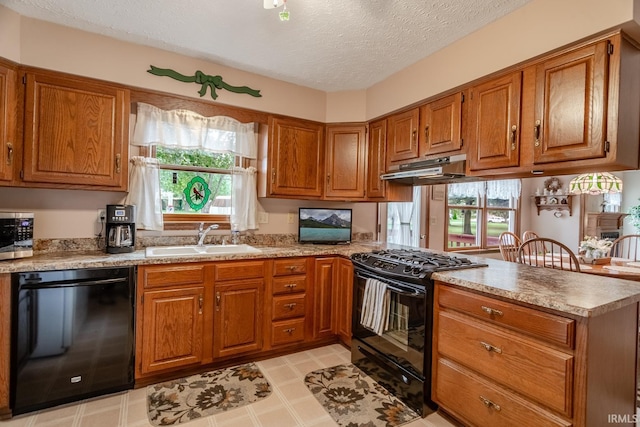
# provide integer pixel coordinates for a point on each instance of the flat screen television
(324, 226)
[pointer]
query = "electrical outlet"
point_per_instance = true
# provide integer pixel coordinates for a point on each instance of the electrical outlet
(263, 217)
(290, 218)
(102, 215)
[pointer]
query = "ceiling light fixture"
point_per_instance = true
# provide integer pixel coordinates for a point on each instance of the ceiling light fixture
(272, 4)
(595, 183)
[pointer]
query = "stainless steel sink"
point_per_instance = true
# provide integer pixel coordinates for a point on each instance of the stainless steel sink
(195, 250)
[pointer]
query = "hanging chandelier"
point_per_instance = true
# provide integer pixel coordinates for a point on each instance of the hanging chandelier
(272, 4)
(595, 183)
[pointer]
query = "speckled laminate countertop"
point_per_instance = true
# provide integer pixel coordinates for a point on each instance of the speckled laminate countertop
(578, 294)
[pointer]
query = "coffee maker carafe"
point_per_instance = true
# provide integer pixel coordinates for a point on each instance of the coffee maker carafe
(121, 229)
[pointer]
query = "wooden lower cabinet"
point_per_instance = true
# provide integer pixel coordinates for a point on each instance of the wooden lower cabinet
(5, 342)
(238, 317)
(193, 315)
(503, 364)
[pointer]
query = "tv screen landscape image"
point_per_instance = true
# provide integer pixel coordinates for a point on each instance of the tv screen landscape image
(329, 226)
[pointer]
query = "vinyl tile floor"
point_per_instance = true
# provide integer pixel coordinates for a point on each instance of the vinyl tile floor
(291, 403)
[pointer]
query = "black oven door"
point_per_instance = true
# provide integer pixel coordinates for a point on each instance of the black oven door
(407, 335)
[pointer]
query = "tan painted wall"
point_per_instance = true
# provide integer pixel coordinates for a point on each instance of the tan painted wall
(9, 34)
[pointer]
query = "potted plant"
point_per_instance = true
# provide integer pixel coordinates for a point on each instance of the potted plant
(592, 248)
(634, 213)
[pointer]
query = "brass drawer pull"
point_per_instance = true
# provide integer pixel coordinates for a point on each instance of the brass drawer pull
(9, 153)
(491, 311)
(292, 267)
(290, 306)
(200, 304)
(290, 286)
(514, 128)
(490, 347)
(536, 133)
(290, 330)
(490, 404)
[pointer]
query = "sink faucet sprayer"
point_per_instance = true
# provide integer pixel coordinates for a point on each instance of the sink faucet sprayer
(202, 233)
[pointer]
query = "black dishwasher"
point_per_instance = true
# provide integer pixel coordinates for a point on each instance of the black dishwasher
(73, 336)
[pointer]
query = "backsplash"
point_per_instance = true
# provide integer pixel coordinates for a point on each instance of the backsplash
(95, 244)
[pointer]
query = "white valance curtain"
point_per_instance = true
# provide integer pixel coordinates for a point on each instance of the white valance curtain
(499, 189)
(187, 130)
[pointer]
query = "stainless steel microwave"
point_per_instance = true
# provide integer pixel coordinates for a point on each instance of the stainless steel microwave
(16, 235)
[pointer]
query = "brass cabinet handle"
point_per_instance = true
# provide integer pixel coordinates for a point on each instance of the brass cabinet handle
(491, 311)
(490, 347)
(489, 404)
(217, 301)
(290, 286)
(118, 163)
(536, 133)
(292, 267)
(200, 304)
(9, 153)
(514, 128)
(273, 175)
(290, 306)
(414, 135)
(426, 133)
(290, 330)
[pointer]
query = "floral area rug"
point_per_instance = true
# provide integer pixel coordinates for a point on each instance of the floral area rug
(355, 400)
(201, 395)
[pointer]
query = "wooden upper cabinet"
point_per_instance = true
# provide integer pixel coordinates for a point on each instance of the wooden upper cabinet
(345, 162)
(402, 137)
(571, 105)
(376, 157)
(8, 143)
(75, 132)
(295, 159)
(441, 124)
(494, 123)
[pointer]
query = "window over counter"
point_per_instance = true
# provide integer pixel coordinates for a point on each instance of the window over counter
(479, 211)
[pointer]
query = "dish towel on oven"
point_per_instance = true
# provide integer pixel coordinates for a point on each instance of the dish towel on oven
(375, 306)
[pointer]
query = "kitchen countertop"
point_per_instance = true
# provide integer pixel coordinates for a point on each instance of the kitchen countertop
(579, 294)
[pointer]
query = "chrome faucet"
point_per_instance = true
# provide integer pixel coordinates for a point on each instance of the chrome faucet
(202, 232)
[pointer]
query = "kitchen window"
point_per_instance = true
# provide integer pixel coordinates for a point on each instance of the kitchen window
(478, 212)
(192, 168)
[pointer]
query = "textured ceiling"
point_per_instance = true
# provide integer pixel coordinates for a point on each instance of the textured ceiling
(328, 44)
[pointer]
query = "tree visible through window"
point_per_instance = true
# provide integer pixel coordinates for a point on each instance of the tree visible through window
(479, 212)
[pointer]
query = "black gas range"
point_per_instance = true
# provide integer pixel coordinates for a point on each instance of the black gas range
(409, 265)
(393, 319)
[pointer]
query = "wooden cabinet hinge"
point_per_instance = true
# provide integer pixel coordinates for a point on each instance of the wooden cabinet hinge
(24, 79)
(461, 142)
(607, 146)
(462, 97)
(142, 299)
(609, 48)
(21, 173)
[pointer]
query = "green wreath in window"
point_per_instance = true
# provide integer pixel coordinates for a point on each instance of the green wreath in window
(197, 193)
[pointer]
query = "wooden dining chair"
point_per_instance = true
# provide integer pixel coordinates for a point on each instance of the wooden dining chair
(548, 253)
(528, 235)
(509, 243)
(626, 247)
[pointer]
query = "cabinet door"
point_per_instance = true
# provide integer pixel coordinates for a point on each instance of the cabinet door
(172, 328)
(376, 156)
(238, 317)
(344, 299)
(345, 162)
(494, 121)
(8, 143)
(324, 282)
(296, 158)
(402, 137)
(5, 342)
(571, 105)
(441, 125)
(75, 133)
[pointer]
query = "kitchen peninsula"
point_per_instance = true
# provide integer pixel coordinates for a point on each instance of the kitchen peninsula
(576, 333)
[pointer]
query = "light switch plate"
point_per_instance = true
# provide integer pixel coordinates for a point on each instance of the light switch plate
(291, 218)
(263, 217)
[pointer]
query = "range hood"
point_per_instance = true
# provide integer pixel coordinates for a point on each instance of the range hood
(443, 170)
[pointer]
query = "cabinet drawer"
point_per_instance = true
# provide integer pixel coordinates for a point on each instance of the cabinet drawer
(283, 267)
(481, 403)
(287, 332)
(159, 276)
(286, 307)
(541, 373)
(239, 270)
(288, 285)
(555, 329)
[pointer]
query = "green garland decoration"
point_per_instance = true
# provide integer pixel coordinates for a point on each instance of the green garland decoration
(212, 82)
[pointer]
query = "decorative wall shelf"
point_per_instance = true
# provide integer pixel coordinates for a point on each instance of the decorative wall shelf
(554, 202)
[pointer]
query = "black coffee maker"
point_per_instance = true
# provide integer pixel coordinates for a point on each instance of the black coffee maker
(121, 229)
